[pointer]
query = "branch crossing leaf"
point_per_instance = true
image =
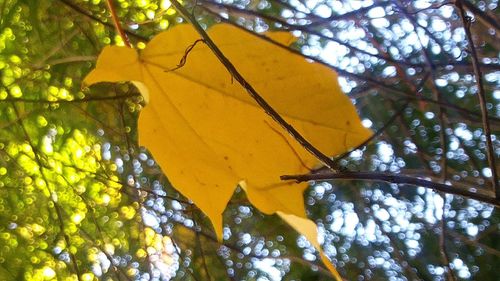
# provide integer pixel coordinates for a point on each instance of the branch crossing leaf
(208, 135)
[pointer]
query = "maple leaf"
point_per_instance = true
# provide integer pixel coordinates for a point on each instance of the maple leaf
(208, 135)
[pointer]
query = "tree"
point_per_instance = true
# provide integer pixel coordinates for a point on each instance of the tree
(80, 200)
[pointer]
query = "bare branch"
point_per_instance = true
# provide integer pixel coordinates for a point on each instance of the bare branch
(85, 13)
(375, 135)
(483, 17)
(481, 96)
(397, 179)
(117, 24)
(53, 194)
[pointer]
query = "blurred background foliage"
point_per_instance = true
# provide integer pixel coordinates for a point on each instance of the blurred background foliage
(79, 200)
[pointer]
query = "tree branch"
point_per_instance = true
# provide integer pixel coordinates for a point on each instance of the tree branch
(481, 96)
(117, 24)
(52, 193)
(397, 179)
(375, 135)
(86, 99)
(482, 16)
(85, 13)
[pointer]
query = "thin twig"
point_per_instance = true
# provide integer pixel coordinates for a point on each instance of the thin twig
(117, 24)
(303, 28)
(181, 257)
(443, 249)
(71, 60)
(350, 15)
(431, 7)
(375, 135)
(475, 243)
(183, 60)
(136, 194)
(85, 13)
(86, 99)
(394, 178)
(92, 240)
(52, 193)
(209, 5)
(212, 238)
(200, 248)
(481, 96)
(483, 17)
(442, 140)
(57, 48)
(98, 228)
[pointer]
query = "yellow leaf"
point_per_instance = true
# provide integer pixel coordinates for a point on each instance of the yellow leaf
(308, 229)
(208, 134)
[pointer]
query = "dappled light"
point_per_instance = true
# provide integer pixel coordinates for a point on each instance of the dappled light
(80, 199)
